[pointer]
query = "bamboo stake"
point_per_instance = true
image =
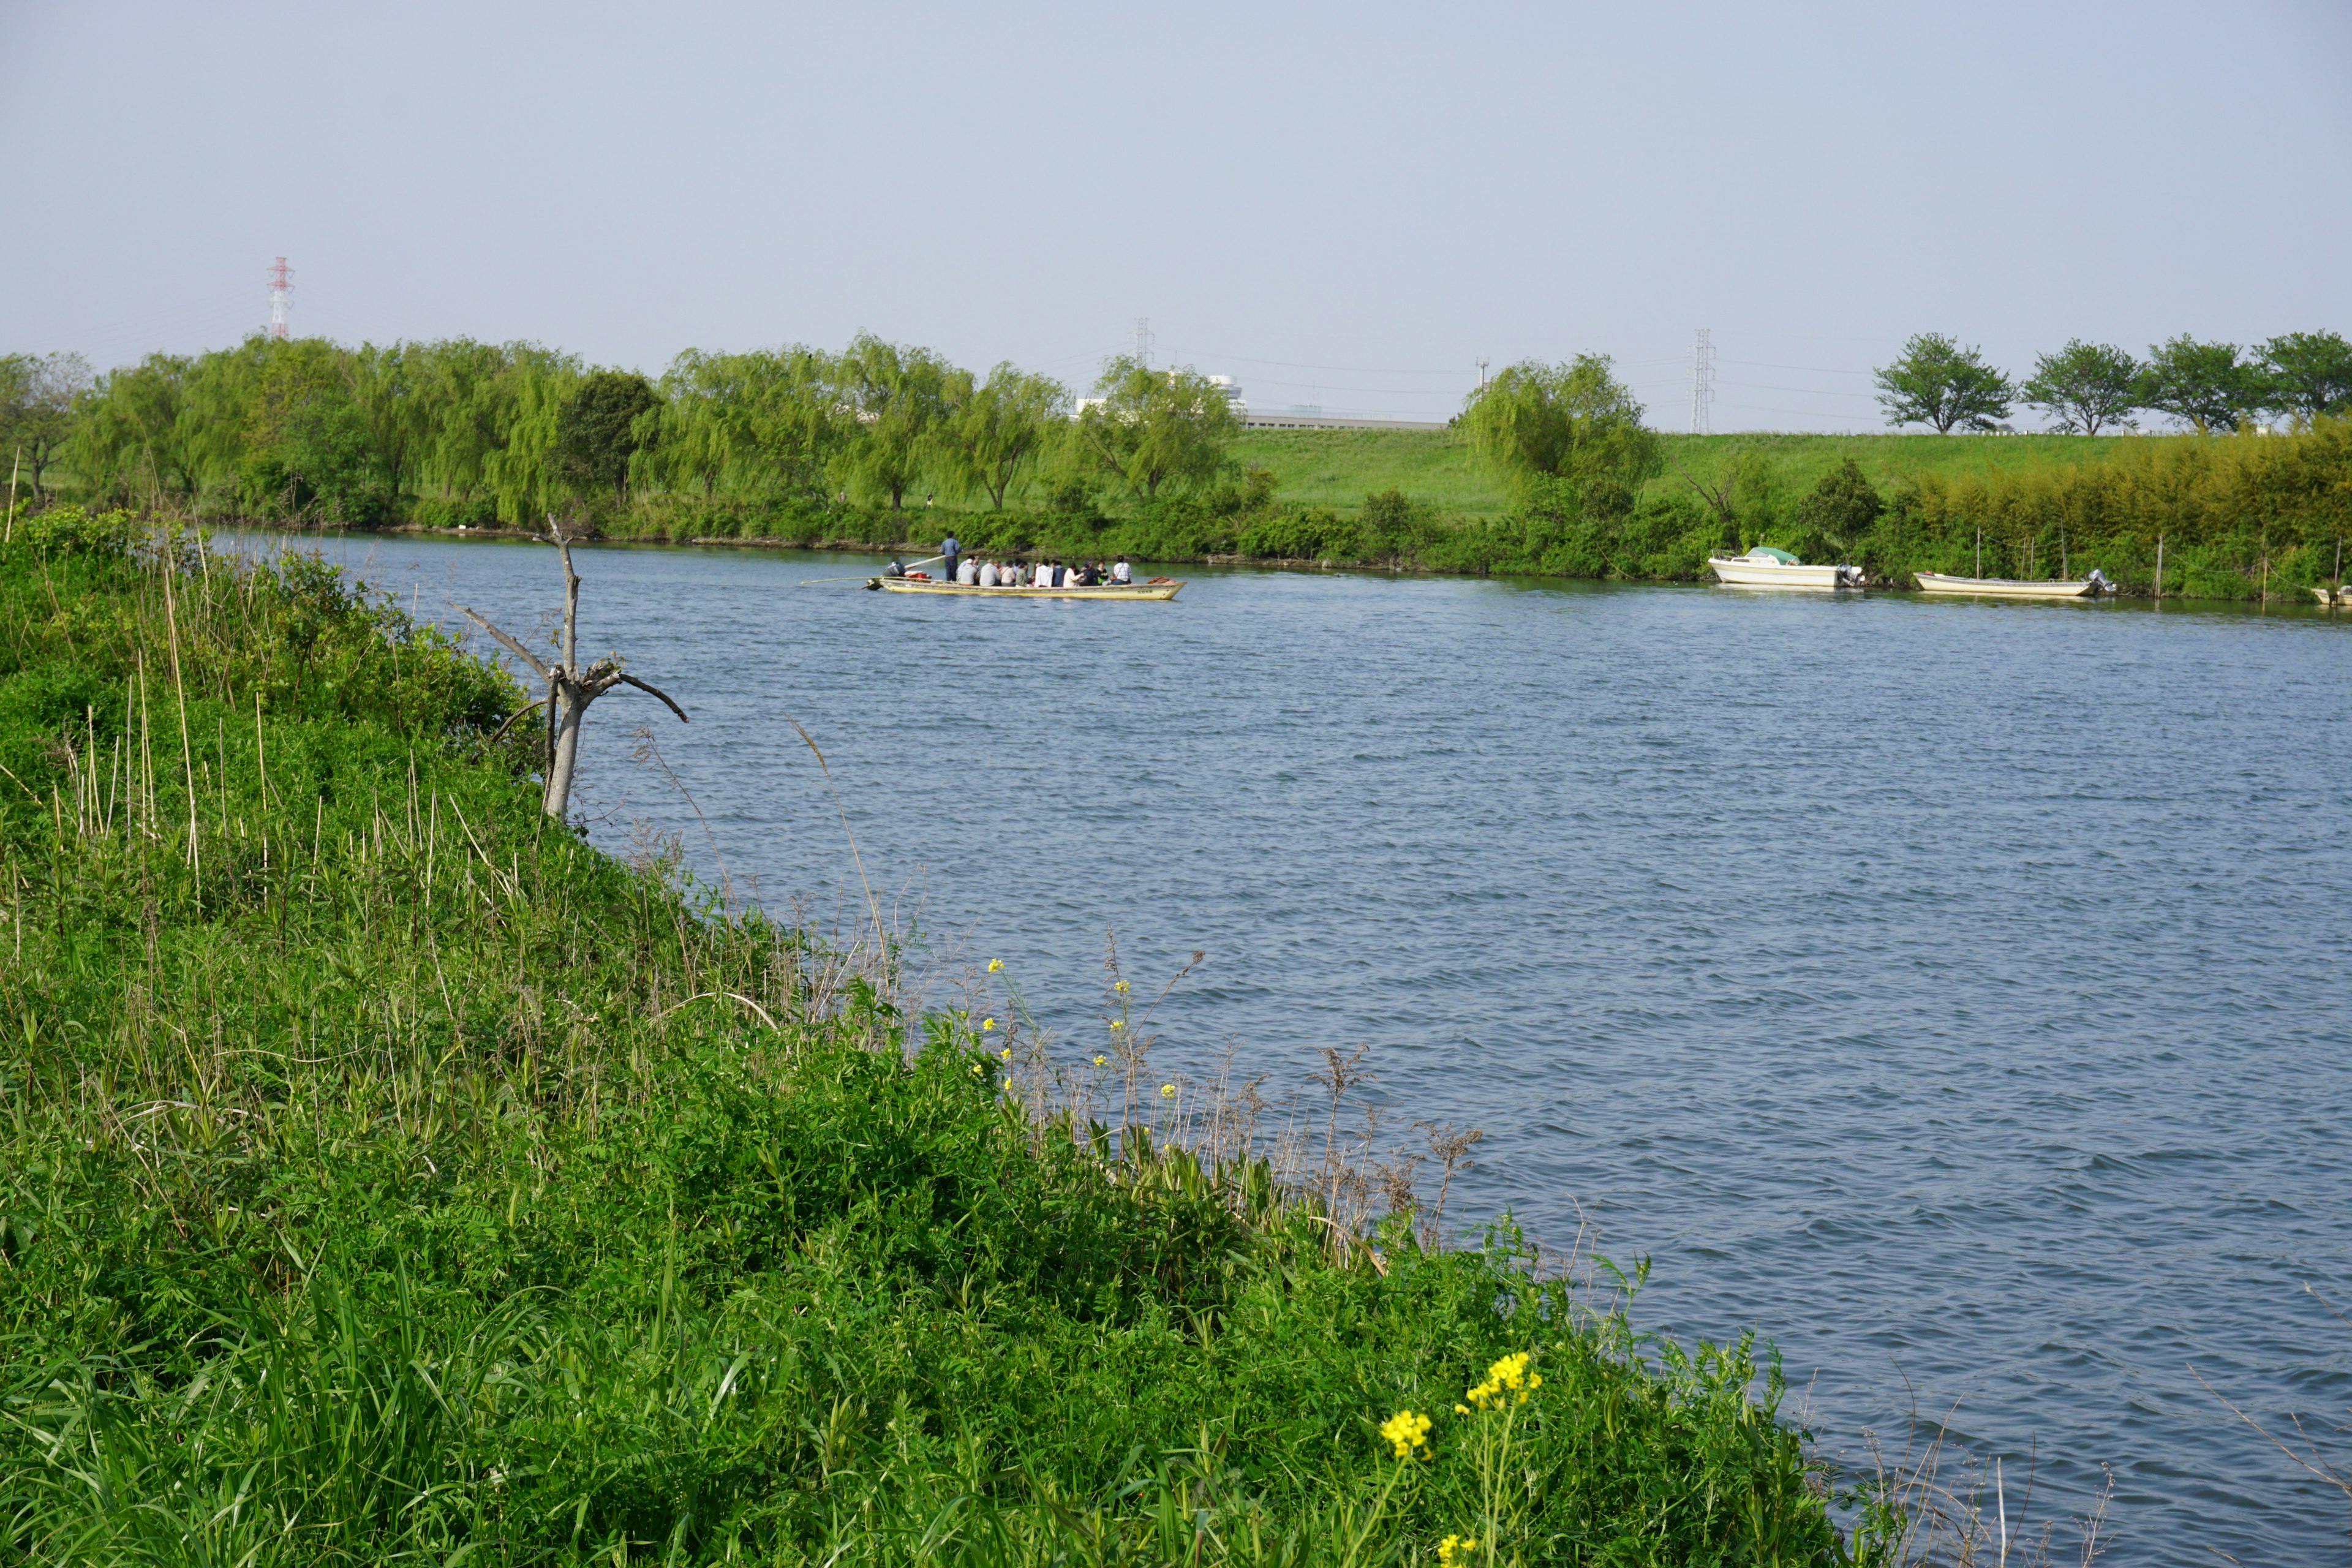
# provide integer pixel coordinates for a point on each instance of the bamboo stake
(180, 691)
(260, 753)
(13, 464)
(2159, 566)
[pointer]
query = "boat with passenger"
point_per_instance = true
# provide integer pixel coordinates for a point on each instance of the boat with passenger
(1156, 588)
(1766, 567)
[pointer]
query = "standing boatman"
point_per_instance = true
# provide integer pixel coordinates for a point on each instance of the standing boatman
(949, 550)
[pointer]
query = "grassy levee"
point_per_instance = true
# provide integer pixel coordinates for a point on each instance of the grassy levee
(388, 1175)
(2238, 517)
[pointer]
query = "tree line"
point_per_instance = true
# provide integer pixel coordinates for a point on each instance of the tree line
(456, 431)
(2088, 387)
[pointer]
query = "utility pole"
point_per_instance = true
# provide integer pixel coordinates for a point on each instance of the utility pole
(1143, 341)
(1702, 384)
(281, 285)
(1482, 378)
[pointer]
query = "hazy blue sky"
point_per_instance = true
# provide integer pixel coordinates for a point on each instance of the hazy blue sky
(1341, 204)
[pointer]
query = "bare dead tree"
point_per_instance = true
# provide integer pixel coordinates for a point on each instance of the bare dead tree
(570, 688)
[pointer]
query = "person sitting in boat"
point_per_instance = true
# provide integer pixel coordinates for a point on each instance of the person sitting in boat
(969, 573)
(1089, 575)
(987, 578)
(1061, 574)
(897, 568)
(1044, 577)
(1121, 573)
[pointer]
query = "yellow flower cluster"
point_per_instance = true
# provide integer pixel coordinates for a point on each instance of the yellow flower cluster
(1167, 1091)
(1405, 1432)
(1098, 1062)
(1456, 1549)
(986, 1025)
(1005, 1054)
(1506, 1378)
(995, 964)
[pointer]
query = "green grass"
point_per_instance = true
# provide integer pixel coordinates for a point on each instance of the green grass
(388, 1176)
(1338, 468)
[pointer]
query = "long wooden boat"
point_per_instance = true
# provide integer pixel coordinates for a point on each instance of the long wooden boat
(1765, 567)
(1102, 591)
(2007, 587)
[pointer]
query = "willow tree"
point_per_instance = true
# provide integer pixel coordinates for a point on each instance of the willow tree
(570, 688)
(898, 397)
(995, 430)
(1573, 421)
(1152, 428)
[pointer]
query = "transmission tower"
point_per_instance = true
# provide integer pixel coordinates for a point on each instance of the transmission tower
(1702, 385)
(281, 284)
(1143, 341)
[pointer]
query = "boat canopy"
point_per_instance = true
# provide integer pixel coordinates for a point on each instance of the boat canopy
(1767, 553)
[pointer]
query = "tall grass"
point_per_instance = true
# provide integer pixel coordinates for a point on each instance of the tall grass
(386, 1174)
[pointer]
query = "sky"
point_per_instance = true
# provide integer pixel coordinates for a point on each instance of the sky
(1342, 206)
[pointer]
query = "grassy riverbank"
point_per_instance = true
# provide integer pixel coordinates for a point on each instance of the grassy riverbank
(2237, 517)
(385, 1174)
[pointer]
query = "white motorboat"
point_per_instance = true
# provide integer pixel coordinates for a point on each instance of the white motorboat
(1765, 567)
(2332, 598)
(2014, 587)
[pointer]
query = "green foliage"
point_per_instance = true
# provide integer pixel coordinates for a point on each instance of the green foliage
(2307, 374)
(1834, 515)
(2084, 386)
(1147, 427)
(2207, 387)
(1574, 421)
(388, 1175)
(609, 417)
(1938, 382)
(37, 398)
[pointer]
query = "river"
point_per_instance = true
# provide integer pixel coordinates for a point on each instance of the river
(1955, 992)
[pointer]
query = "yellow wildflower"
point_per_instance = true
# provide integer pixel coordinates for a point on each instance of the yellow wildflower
(1005, 1054)
(1120, 987)
(1099, 1061)
(987, 1023)
(1117, 1025)
(1506, 1376)
(1405, 1432)
(1456, 1549)
(995, 964)
(1167, 1091)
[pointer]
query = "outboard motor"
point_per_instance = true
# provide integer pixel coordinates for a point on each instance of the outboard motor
(2099, 584)
(1850, 577)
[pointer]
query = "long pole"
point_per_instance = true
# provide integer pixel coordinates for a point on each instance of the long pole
(10, 532)
(1980, 550)
(2159, 566)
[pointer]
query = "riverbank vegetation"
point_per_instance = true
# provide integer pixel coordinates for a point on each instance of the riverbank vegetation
(1552, 470)
(386, 1174)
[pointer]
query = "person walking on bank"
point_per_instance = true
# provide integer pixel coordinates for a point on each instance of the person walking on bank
(949, 550)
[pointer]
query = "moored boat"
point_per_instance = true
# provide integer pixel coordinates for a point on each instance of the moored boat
(2014, 587)
(1158, 588)
(1765, 567)
(2332, 598)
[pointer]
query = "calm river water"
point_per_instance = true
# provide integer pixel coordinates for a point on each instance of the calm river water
(1957, 994)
